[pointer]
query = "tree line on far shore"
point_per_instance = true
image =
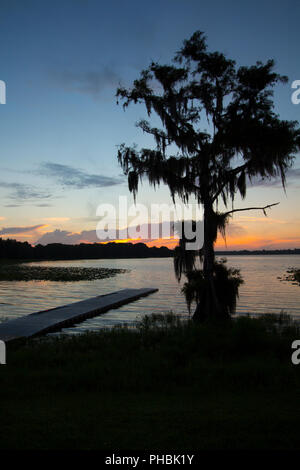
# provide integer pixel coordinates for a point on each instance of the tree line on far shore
(13, 249)
(16, 250)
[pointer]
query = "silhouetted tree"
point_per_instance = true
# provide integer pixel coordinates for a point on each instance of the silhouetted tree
(13, 249)
(247, 139)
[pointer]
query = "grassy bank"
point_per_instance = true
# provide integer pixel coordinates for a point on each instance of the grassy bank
(167, 385)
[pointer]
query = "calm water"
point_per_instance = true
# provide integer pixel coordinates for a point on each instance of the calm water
(262, 291)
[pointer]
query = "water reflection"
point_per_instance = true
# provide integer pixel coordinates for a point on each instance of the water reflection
(262, 291)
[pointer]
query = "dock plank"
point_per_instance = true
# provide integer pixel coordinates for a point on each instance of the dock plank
(54, 319)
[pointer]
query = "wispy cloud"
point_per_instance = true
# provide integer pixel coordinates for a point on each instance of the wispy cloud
(43, 205)
(76, 178)
(56, 219)
(92, 82)
(235, 230)
(263, 219)
(16, 230)
(292, 178)
(28, 204)
(23, 192)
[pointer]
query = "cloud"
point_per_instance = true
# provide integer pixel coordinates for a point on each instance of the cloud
(73, 177)
(92, 82)
(235, 230)
(56, 219)
(43, 205)
(262, 219)
(292, 175)
(141, 233)
(277, 243)
(68, 238)
(29, 204)
(58, 236)
(23, 192)
(15, 230)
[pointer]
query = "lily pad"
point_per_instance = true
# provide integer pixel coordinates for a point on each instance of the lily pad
(293, 275)
(47, 273)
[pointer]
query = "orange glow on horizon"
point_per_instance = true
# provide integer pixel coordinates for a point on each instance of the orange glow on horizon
(26, 234)
(247, 242)
(168, 242)
(242, 237)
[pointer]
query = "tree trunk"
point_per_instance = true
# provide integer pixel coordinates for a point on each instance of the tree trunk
(209, 306)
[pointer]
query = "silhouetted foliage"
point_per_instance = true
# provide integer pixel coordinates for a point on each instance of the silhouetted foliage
(15, 250)
(12, 249)
(226, 281)
(247, 139)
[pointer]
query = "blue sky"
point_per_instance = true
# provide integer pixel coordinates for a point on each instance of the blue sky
(62, 62)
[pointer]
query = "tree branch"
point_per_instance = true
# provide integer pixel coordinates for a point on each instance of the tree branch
(234, 171)
(253, 208)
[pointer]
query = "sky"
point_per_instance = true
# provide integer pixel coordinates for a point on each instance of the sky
(62, 62)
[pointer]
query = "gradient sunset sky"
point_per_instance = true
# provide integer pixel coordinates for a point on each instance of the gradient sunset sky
(62, 62)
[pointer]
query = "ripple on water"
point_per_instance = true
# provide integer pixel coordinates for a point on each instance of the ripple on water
(262, 291)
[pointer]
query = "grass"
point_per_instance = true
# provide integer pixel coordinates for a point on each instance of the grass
(166, 385)
(22, 272)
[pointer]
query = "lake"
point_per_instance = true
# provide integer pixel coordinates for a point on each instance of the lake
(262, 291)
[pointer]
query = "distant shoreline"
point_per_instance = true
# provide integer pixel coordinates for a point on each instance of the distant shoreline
(295, 251)
(13, 250)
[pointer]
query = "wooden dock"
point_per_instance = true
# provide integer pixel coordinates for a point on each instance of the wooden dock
(54, 319)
